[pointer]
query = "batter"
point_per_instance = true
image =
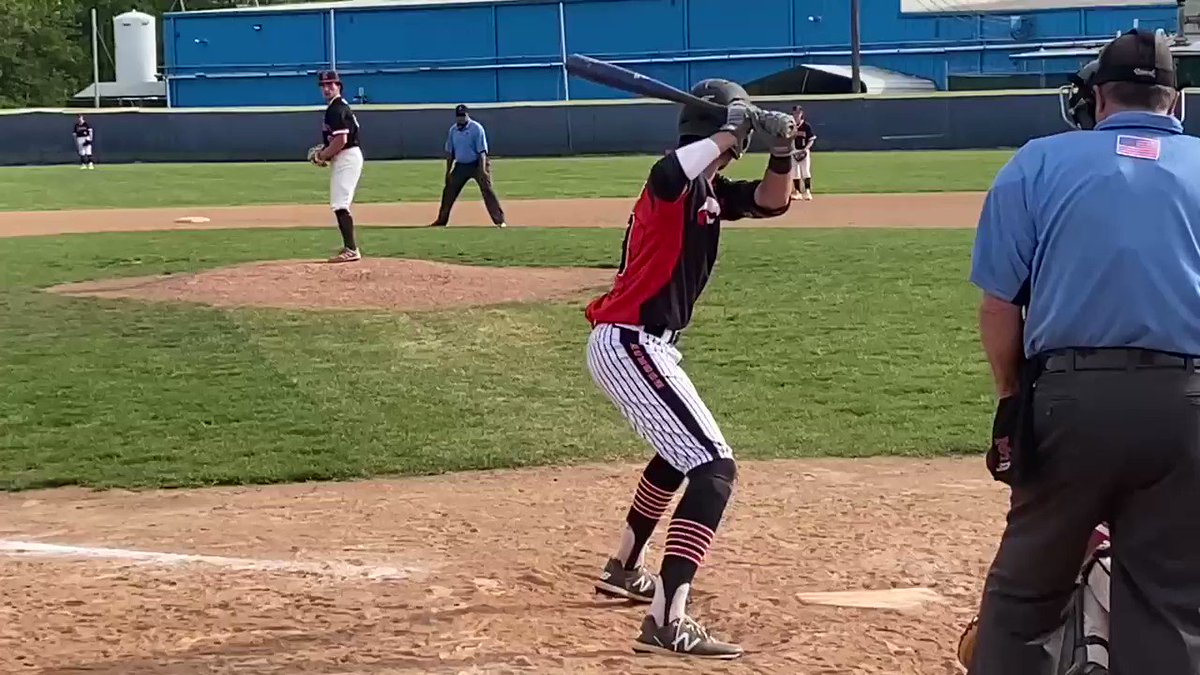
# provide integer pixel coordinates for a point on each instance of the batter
(668, 254)
(339, 136)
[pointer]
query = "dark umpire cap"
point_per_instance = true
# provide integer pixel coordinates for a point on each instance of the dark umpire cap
(1138, 56)
(460, 109)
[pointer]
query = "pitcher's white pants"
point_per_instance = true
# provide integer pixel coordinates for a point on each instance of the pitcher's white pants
(346, 169)
(640, 373)
(803, 168)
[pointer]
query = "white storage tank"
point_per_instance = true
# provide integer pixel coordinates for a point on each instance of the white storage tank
(136, 44)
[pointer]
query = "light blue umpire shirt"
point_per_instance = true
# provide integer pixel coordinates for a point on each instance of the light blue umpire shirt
(467, 143)
(1103, 226)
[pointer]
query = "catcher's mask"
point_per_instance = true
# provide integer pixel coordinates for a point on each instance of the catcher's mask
(696, 122)
(1077, 100)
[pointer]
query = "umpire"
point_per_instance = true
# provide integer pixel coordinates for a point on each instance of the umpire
(1088, 256)
(467, 159)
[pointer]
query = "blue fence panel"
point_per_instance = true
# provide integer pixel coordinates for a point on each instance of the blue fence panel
(1056, 25)
(957, 28)
(531, 84)
(456, 86)
(527, 31)
(635, 27)
(387, 36)
(277, 90)
(997, 62)
(820, 22)
(1111, 20)
(707, 23)
(251, 41)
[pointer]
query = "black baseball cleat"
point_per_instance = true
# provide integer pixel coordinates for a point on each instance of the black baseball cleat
(636, 584)
(682, 637)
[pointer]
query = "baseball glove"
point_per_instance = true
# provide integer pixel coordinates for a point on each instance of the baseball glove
(966, 642)
(312, 155)
(800, 154)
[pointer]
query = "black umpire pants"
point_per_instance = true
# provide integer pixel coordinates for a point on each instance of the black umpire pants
(1117, 439)
(459, 175)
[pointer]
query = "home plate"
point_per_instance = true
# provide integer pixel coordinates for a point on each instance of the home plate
(192, 219)
(888, 598)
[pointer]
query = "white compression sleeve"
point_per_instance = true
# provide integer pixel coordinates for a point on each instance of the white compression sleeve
(695, 157)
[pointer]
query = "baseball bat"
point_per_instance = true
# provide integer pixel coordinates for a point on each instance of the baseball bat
(612, 75)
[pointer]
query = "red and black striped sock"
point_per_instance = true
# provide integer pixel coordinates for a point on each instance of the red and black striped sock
(655, 490)
(691, 531)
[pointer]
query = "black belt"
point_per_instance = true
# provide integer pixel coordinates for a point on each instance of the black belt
(1068, 360)
(662, 332)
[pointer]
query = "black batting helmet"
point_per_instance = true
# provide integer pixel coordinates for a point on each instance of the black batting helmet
(696, 122)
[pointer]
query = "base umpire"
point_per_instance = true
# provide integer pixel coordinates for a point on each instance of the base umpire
(1088, 256)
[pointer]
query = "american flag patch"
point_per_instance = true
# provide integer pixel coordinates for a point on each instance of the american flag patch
(1136, 146)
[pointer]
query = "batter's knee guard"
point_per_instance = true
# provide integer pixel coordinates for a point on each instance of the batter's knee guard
(710, 486)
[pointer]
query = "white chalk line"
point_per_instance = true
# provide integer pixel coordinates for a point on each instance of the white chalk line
(344, 570)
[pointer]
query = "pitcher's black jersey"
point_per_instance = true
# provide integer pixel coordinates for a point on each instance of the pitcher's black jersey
(340, 119)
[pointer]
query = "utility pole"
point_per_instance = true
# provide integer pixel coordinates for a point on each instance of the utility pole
(855, 48)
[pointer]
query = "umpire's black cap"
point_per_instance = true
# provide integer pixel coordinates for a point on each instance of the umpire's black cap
(1139, 56)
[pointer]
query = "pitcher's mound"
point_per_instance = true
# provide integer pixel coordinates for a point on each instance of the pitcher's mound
(373, 283)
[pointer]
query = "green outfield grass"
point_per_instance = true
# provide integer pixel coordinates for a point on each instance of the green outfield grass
(808, 343)
(66, 187)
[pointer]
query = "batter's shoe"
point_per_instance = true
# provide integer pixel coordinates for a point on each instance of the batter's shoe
(682, 637)
(636, 584)
(346, 255)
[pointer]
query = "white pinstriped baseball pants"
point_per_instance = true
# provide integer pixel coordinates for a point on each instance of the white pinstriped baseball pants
(640, 373)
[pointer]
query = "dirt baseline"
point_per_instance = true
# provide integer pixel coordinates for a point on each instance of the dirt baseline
(927, 210)
(490, 573)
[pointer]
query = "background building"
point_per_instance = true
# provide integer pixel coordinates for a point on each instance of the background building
(449, 51)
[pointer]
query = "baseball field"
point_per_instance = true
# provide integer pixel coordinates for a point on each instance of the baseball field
(221, 455)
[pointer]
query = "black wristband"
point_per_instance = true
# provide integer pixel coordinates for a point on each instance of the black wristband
(780, 164)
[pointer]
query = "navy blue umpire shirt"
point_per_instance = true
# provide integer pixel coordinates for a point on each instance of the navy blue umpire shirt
(1104, 226)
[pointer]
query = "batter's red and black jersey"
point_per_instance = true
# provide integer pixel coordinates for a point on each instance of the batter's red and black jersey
(340, 119)
(670, 246)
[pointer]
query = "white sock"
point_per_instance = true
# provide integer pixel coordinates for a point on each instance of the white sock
(678, 608)
(625, 549)
(679, 602)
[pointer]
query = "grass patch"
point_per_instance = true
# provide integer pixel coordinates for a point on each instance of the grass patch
(132, 185)
(807, 343)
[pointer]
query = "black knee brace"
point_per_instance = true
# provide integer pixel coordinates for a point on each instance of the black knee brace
(709, 488)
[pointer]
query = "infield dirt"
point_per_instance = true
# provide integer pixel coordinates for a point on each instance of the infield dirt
(485, 572)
